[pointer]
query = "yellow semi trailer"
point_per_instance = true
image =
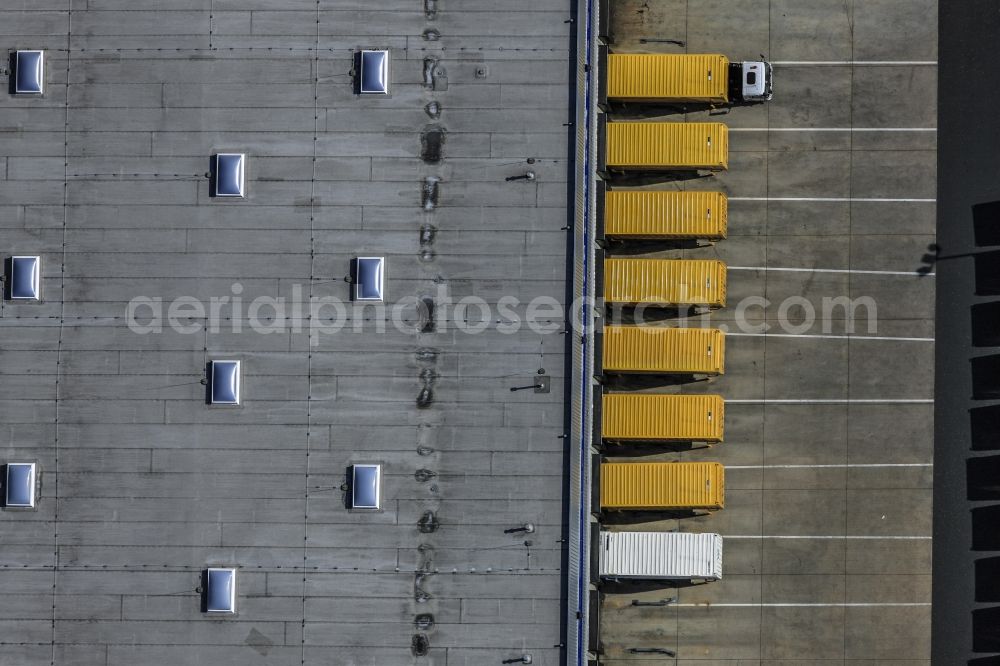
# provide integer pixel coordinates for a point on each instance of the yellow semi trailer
(665, 486)
(675, 78)
(664, 282)
(660, 146)
(658, 349)
(650, 417)
(652, 215)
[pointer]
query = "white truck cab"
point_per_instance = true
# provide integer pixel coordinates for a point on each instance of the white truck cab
(755, 81)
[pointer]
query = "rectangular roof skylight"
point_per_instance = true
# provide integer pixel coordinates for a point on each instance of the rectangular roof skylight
(229, 174)
(369, 279)
(25, 278)
(225, 379)
(220, 591)
(30, 75)
(366, 487)
(20, 485)
(374, 73)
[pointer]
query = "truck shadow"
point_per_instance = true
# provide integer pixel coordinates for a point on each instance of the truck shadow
(636, 382)
(985, 428)
(982, 476)
(638, 586)
(986, 324)
(650, 449)
(986, 377)
(640, 517)
(631, 314)
(986, 223)
(987, 270)
(986, 632)
(634, 247)
(653, 110)
(985, 536)
(988, 580)
(634, 179)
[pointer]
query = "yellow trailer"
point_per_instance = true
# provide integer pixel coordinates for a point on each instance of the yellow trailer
(644, 214)
(662, 485)
(650, 417)
(665, 77)
(681, 78)
(658, 146)
(657, 349)
(669, 282)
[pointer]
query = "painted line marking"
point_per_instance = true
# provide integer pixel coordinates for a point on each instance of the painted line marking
(834, 199)
(833, 401)
(827, 337)
(830, 466)
(845, 604)
(833, 129)
(849, 537)
(826, 270)
(866, 63)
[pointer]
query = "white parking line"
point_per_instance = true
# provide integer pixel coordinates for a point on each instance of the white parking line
(860, 63)
(848, 537)
(828, 337)
(833, 401)
(835, 199)
(846, 604)
(833, 129)
(831, 466)
(826, 270)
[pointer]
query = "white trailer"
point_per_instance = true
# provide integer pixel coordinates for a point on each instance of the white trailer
(660, 555)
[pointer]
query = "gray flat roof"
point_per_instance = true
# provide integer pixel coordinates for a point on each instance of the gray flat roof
(106, 177)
